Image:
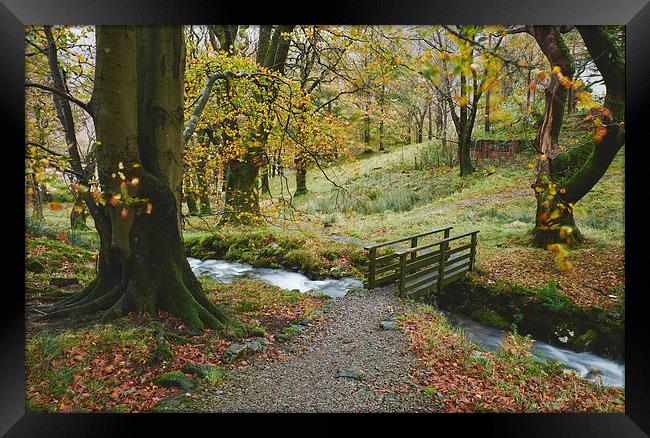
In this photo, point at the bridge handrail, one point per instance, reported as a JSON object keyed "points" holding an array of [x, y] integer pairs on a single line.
{"points": [[429, 245], [391, 242]]}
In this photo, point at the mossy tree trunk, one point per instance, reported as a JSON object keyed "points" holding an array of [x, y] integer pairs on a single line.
{"points": [[192, 206], [566, 178], [36, 197], [242, 182], [264, 175], [138, 105], [301, 176], [242, 190], [547, 230]]}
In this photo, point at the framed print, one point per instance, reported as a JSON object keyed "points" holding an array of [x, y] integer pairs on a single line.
{"points": [[412, 214]]}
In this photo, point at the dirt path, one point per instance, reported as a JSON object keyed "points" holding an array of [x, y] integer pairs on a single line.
{"points": [[349, 338]]}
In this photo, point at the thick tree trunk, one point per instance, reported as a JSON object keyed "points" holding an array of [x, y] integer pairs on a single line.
{"points": [[264, 177], [36, 198], [301, 176], [142, 263], [466, 167], [192, 206], [578, 169], [464, 135], [547, 230], [242, 191]]}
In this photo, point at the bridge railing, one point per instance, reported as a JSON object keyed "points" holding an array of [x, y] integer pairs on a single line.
{"points": [[384, 269], [422, 269]]}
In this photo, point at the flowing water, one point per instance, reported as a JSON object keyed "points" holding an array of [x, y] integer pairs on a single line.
{"points": [[221, 270], [587, 365]]}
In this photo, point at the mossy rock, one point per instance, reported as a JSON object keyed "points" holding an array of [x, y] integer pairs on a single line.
{"points": [[175, 379], [255, 330], [237, 352], [34, 266], [288, 333], [212, 373], [331, 254], [490, 317], [176, 403], [586, 340], [160, 353], [263, 262], [302, 259]]}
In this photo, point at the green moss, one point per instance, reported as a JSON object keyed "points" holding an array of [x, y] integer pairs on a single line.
{"points": [[302, 259], [176, 338], [288, 333], [160, 353], [586, 340], [277, 248], [212, 373], [174, 378], [490, 317]]}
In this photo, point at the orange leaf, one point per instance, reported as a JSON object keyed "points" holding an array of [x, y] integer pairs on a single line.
{"points": [[55, 206]]}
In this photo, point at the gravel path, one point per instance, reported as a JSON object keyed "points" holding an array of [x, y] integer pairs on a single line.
{"points": [[349, 338]]}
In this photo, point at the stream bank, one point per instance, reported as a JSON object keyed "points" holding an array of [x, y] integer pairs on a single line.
{"points": [[544, 313]]}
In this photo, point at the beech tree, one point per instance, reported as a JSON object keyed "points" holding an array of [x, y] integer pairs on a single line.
{"points": [[137, 103]]}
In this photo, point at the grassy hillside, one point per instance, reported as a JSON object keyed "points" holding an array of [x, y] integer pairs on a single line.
{"points": [[394, 193]]}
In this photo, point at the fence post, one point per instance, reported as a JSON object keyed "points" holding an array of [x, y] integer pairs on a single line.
{"points": [[414, 243], [472, 256], [372, 254], [441, 269], [402, 273], [446, 244]]}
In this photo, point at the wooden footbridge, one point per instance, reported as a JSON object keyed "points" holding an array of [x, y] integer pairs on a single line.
{"points": [[422, 269]]}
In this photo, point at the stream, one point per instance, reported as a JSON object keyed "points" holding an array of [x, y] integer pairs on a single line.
{"points": [[609, 372], [226, 272]]}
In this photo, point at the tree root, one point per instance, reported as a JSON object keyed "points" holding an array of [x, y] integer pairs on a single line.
{"points": [[189, 304]]}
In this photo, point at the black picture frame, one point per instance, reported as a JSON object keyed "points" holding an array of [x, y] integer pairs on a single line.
{"points": [[635, 14]]}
